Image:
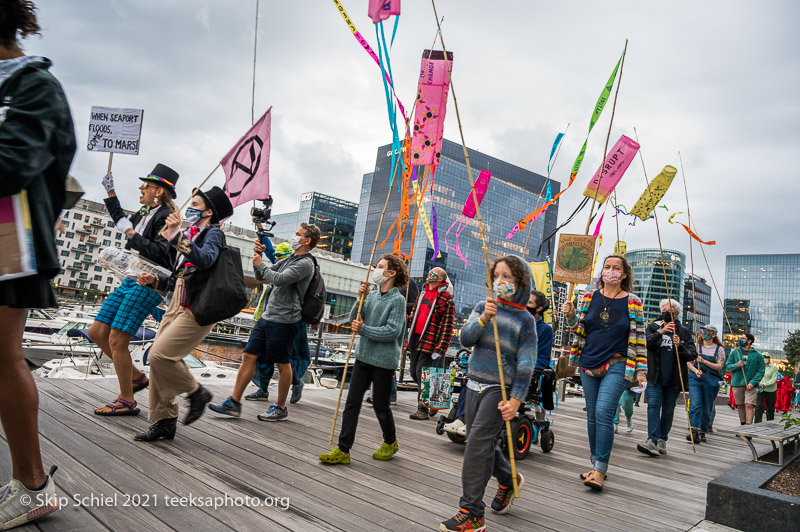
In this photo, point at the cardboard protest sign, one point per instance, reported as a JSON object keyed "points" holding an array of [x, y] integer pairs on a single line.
{"points": [[574, 259], [115, 130]]}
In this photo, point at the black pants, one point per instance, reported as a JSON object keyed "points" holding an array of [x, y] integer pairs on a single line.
{"points": [[381, 380], [421, 360], [770, 398]]}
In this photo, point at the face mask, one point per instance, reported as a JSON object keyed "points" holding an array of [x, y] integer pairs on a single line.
{"points": [[740, 343], [192, 216], [707, 336], [432, 278], [377, 276], [666, 316], [503, 288], [611, 276], [294, 242], [532, 311]]}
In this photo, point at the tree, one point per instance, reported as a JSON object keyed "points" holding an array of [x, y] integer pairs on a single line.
{"points": [[791, 346]]}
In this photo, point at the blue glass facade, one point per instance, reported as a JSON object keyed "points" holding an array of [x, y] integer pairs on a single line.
{"points": [[762, 297], [696, 303], [513, 192], [649, 270], [336, 219]]}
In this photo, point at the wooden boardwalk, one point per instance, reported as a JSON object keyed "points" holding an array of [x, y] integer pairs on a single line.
{"points": [[415, 491]]}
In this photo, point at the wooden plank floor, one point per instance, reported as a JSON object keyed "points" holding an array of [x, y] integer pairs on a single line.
{"points": [[415, 491]]}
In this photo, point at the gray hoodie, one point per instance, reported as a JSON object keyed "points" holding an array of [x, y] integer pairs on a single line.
{"points": [[290, 279]]}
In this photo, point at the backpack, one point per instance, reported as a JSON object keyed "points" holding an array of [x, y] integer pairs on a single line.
{"points": [[313, 302]]}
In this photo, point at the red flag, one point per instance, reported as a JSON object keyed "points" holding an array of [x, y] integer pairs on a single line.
{"points": [[246, 165]]}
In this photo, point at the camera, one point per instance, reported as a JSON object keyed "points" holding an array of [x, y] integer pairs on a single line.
{"points": [[262, 216]]}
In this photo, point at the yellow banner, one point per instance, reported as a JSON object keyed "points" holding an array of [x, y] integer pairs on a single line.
{"points": [[654, 192], [620, 248], [543, 281], [424, 216]]}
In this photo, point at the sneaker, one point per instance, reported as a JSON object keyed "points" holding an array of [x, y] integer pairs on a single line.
{"points": [[275, 413], [420, 414], [616, 428], [464, 521], [629, 426], [392, 399], [19, 505], [229, 407], [386, 451], [648, 446], [662, 447], [369, 399], [297, 392], [336, 456], [505, 496], [258, 395], [456, 427]]}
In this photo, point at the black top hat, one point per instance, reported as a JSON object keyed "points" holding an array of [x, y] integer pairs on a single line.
{"points": [[165, 176], [217, 201]]}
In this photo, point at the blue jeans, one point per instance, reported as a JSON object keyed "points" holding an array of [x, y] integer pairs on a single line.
{"points": [[702, 394], [602, 397], [660, 410], [626, 403]]}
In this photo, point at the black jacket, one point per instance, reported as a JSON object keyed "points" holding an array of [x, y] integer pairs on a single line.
{"points": [[686, 351], [37, 144], [148, 243]]}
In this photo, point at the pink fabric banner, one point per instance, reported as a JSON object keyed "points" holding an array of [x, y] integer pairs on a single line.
{"points": [[617, 161], [481, 186], [434, 83], [382, 9], [246, 165]]}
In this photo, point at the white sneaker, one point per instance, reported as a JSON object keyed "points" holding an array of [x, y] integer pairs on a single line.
{"points": [[19, 505], [661, 445], [629, 426], [456, 427], [616, 428]]}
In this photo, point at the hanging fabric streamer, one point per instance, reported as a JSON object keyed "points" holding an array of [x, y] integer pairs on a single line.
{"points": [[598, 110], [559, 137], [617, 161], [542, 277], [620, 247], [691, 233], [434, 222], [429, 113], [654, 192], [379, 10], [391, 107], [468, 212], [425, 222]]}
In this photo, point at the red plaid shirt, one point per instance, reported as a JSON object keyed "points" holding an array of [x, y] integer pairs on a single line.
{"points": [[437, 335]]}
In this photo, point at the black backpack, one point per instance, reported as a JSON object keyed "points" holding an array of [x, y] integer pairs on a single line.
{"points": [[313, 302]]}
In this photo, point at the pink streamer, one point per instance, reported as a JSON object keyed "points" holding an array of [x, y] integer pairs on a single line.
{"points": [[617, 161]]}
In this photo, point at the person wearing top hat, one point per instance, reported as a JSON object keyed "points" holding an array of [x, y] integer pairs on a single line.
{"points": [[127, 307], [198, 246]]}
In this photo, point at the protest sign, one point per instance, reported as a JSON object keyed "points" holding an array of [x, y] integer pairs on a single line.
{"points": [[115, 130]]}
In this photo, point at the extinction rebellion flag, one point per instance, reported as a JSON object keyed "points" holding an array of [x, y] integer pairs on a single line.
{"points": [[246, 165]]}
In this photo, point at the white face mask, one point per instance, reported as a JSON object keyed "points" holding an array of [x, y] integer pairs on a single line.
{"points": [[377, 276], [503, 288], [295, 242]]}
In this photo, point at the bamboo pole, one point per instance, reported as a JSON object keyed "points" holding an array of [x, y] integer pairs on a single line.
{"points": [[486, 259], [110, 160], [669, 296]]}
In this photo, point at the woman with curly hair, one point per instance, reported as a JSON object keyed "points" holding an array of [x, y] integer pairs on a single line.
{"points": [[609, 343], [382, 326], [37, 144]]}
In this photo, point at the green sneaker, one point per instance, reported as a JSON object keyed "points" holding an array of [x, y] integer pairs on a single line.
{"points": [[336, 456], [386, 451]]}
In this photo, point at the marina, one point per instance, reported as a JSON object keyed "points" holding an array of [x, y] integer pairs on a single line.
{"points": [[277, 463]]}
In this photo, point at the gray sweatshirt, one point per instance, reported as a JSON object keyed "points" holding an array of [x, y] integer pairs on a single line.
{"points": [[290, 279], [383, 330]]}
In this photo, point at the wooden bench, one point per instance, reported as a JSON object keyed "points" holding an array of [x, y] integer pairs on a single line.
{"points": [[772, 431]]}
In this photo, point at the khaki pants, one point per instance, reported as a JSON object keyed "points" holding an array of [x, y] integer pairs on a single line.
{"points": [[178, 334]]}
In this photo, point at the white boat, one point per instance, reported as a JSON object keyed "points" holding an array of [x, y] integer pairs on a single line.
{"points": [[40, 348], [42, 322]]}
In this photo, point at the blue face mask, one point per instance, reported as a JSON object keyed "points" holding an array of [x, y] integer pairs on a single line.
{"points": [[740, 343], [192, 215]]}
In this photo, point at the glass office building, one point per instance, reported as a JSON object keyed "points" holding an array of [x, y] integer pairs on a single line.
{"points": [[336, 219], [649, 271], [762, 297], [696, 293], [513, 192]]}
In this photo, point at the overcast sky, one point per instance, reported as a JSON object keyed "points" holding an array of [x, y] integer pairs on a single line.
{"points": [[714, 80]]}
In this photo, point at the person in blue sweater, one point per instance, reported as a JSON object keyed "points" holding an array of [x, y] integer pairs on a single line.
{"points": [[485, 409], [381, 325]]}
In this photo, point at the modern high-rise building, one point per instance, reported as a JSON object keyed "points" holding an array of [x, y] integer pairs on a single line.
{"points": [[656, 278], [513, 192], [336, 219], [762, 297], [696, 293]]}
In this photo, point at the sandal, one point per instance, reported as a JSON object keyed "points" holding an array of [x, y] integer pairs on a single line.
{"points": [[584, 476], [595, 480], [120, 407], [141, 383]]}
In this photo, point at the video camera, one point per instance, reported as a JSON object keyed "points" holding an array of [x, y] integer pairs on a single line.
{"points": [[262, 216]]}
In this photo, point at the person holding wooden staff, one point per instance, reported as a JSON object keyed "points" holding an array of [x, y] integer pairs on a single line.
{"points": [[704, 376], [382, 326], [746, 366], [609, 343], [485, 410], [129, 305]]}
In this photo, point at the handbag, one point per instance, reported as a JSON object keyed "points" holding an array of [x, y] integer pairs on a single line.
{"points": [[564, 369], [217, 293]]}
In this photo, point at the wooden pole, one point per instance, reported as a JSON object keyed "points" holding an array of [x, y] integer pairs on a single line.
{"points": [[110, 160], [484, 239], [253, 94]]}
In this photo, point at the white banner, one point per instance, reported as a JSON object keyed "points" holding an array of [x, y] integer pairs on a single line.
{"points": [[115, 130]]}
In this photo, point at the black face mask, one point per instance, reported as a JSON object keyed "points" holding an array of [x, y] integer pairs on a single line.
{"points": [[666, 316], [532, 311]]}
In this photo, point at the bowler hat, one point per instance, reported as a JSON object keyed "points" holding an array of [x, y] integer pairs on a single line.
{"points": [[165, 176], [217, 201]]}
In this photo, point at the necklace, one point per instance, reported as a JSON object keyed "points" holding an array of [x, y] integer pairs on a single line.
{"points": [[604, 315]]}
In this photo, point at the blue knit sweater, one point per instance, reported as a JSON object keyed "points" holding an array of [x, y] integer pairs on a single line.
{"points": [[384, 326], [516, 331]]}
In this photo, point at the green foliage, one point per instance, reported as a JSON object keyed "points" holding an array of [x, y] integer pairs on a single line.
{"points": [[791, 346], [788, 420]]}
